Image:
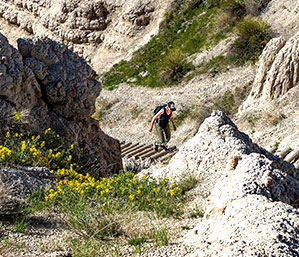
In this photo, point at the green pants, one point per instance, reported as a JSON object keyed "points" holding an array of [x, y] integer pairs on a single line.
{"points": [[163, 134]]}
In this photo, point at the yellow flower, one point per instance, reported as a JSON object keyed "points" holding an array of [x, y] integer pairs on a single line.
{"points": [[47, 130], [138, 192], [72, 146], [69, 158], [171, 191], [134, 180], [132, 197], [17, 115], [7, 134], [17, 134], [42, 144], [158, 200], [165, 179], [23, 146], [23, 160]]}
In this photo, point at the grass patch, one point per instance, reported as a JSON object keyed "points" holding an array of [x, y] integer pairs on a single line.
{"points": [[184, 113], [162, 62], [136, 241], [253, 35], [196, 213], [230, 101], [161, 236]]}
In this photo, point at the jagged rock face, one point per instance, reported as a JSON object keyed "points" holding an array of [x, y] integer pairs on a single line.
{"points": [[58, 90], [278, 71], [68, 83], [18, 85], [115, 26]]}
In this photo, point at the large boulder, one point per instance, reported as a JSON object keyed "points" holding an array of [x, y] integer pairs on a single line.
{"points": [[206, 153], [58, 90], [67, 81]]}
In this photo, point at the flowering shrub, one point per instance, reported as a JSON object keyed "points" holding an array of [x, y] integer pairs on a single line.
{"points": [[25, 149], [146, 194]]}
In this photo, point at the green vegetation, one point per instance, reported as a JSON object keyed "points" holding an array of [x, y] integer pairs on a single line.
{"points": [[253, 35], [184, 113], [197, 213], [230, 101], [189, 28]]}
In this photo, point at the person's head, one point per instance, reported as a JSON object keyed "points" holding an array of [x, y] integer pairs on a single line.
{"points": [[171, 106]]}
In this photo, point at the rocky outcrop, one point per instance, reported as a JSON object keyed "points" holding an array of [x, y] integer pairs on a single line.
{"points": [[16, 184], [58, 90], [252, 211], [278, 71], [252, 208], [112, 27], [67, 82]]}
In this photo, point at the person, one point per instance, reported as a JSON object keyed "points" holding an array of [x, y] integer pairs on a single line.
{"points": [[161, 121]]}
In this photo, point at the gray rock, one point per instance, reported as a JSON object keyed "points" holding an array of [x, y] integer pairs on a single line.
{"points": [[17, 183], [71, 89], [253, 206]]}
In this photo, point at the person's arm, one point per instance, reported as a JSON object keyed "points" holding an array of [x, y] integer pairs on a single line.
{"points": [[154, 119], [172, 121]]}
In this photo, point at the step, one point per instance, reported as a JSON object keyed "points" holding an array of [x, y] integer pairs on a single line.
{"points": [[134, 149], [292, 156], [284, 152], [139, 150]]}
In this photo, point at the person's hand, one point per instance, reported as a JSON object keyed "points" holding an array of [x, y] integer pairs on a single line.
{"points": [[174, 127], [150, 130]]}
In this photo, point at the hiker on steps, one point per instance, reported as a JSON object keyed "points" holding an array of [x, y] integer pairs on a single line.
{"points": [[163, 114]]}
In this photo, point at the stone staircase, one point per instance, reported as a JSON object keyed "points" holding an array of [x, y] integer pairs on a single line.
{"points": [[143, 152]]}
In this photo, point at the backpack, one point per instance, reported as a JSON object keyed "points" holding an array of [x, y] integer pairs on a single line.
{"points": [[158, 108]]}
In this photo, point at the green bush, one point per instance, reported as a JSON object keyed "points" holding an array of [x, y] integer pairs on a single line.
{"points": [[174, 67], [253, 35], [234, 8], [230, 101]]}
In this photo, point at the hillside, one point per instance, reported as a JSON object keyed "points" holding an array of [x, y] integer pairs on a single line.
{"points": [[267, 123]]}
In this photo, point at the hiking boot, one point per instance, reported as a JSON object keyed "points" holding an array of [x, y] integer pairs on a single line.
{"points": [[155, 147], [164, 147]]}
